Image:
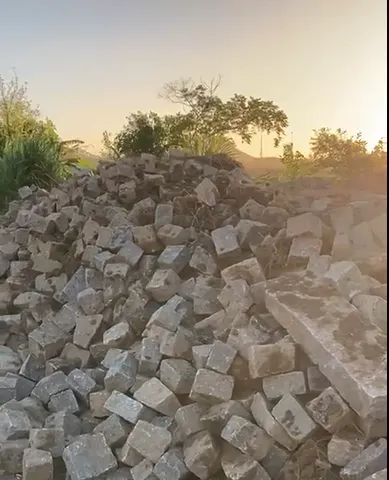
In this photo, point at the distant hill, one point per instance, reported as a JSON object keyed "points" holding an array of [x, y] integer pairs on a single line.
{"points": [[259, 166]]}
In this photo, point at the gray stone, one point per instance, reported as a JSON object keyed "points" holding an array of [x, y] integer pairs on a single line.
{"points": [[63, 401], [266, 360], [236, 296], [369, 461], [177, 374], [172, 235], [345, 445], [295, 420], [171, 466], [207, 193], [66, 317], [130, 253], [263, 417], [150, 356], [143, 471], [203, 262], [150, 441], [75, 285], [211, 387], [8, 388], [277, 386], [146, 238], [37, 465], [128, 455], [373, 309], [87, 329], [189, 417], [96, 403], [89, 457], [90, 301], [11, 456], [14, 424], [251, 210], [201, 455], [163, 215], [114, 429], [49, 386], [200, 355], [347, 278], [65, 421], [275, 461], [246, 437], [47, 340], [220, 357], [81, 384], [342, 218], [170, 315], [218, 415], [249, 231], [35, 411], [381, 475], [9, 361], [329, 410], [318, 264], [154, 394], [304, 224], [174, 257], [49, 439], [163, 285], [118, 335], [127, 408], [302, 249], [205, 295], [248, 270], [349, 353], [226, 242], [237, 466], [121, 375], [317, 382]]}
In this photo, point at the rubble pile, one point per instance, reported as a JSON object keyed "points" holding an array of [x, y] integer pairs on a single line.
{"points": [[169, 319]]}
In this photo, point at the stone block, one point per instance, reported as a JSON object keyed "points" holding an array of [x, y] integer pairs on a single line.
{"points": [[81, 384], [114, 429], [200, 354], [373, 308], [121, 375], [217, 417], [171, 466], [345, 445], [236, 296], [143, 471], [351, 354], [203, 262], [369, 461], [63, 401], [89, 457], [317, 382], [304, 224], [266, 360], [49, 386], [37, 465], [90, 301], [146, 238], [211, 387], [170, 315], [163, 285], [342, 218], [172, 235], [11, 456], [238, 466], [87, 329], [14, 423], [127, 408], [205, 295], [47, 340], [302, 249], [49, 439], [163, 215], [202, 455], [248, 231], [174, 257], [381, 475], [130, 253], [118, 335], [220, 357], [226, 242], [276, 386], [149, 441], [178, 375], [378, 226], [189, 417], [248, 270], [154, 394], [207, 193], [247, 437], [329, 410], [65, 421], [295, 420], [318, 264]]}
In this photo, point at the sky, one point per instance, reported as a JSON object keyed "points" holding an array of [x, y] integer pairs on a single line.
{"points": [[89, 63]]}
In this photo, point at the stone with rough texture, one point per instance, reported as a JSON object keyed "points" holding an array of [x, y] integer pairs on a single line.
{"points": [[371, 460], [345, 445], [265, 360], [127, 408], [226, 242], [277, 386], [201, 455], [163, 285], [171, 466], [237, 466], [211, 387], [89, 457], [373, 308], [304, 224], [351, 354], [150, 441], [154, 394], [37, 465]]}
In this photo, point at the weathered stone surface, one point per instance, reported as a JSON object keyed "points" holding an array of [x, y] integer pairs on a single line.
{"points": [[304, 224], [302, 249], [277, 386], [217, 417], [89, 457], [163, 285], [149, 441], [174, 257], [122, 373], [211, 387], [246, 437], [37, 465], [350, 353], [249, 270], [265, 360], [189, 419], [373, 309], [201, 455], [226, 242], [177, 374], [171, 466], [203, 262], [238, 466], [9, 360], [154, 394], [345, 445], [207, 193], [114, 429], [371, 460], [49, 439]]}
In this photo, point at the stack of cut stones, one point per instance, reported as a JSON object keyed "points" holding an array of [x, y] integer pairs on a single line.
{"points": [[169, 319]]}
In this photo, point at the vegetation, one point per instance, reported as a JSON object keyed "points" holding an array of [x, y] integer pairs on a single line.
{"points": [[31, 151], [335, 153], [204, 125]]}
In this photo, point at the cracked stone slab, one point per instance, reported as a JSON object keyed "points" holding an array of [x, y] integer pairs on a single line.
{"points": [[349, 352]]}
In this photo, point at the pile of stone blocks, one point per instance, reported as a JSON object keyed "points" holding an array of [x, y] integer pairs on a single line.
{"points": [[172, 320]]}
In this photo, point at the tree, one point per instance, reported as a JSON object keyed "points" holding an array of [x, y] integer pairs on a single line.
{"points": [[339, 153], [207, 114], [203, 127], [295, 163], [18, 118]]}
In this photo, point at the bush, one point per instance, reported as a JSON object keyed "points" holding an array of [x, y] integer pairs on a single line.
{"points": [[27, 161]]}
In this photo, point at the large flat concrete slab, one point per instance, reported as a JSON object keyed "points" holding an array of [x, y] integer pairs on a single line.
{"points": [[349, 351]]}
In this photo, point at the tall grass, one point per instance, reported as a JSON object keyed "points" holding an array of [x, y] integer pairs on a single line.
{"points": [[27, 161]]}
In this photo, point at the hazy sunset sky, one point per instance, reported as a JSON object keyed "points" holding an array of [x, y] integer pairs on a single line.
{"points": [[88, 63]]}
